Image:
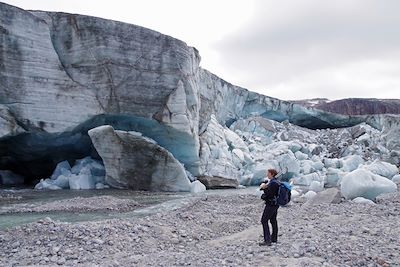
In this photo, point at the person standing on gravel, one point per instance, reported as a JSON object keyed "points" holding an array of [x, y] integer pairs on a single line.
{"points": [[271, 208]]}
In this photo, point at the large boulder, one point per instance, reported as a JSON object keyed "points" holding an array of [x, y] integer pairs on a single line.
{"points": [[363, 183], [216, 182], [331, 195], [134, 161]]}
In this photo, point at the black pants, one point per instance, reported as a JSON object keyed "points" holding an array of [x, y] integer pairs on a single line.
{"points": [[269, 214]]}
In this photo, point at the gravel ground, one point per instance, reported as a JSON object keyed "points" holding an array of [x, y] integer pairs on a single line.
{"points": [[215, 230], [77, 204]]}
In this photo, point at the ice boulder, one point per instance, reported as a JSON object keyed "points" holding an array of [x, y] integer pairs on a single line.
{"points": [[62, 168], [310, 194], [396, 179], [308, 148], [55, 183], [331, 163], [300, 155], [309, 166], [316, 186], [137, 162], [197, 187], [350, 163], [293, 146], [382, 168], [96, 167], [333, 177], [288, 165], [46, 184], [307, 179], [260, 171], [306, 167], [361, 200], [82, 181], [294, 193], [363, 183], [61, 181], [317, 164], [85, 174]]}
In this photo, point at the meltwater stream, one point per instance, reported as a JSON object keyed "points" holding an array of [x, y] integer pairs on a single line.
{"points": [[29, 196], [150, 203]]}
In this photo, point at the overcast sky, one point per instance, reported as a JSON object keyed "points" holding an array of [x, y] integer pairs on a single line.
{"points": [[286, 49]]}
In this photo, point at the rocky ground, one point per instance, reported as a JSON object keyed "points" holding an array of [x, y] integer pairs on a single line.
{"points": [[216, 230], [77, 204]]}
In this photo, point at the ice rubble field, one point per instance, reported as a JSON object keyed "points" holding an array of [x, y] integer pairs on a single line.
{"points": [[354, 159]]}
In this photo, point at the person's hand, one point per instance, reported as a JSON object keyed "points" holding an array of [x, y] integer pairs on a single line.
{"points": [[263, 186]]}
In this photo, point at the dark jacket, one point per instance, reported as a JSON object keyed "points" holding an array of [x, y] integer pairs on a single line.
{"points": [[271, 192]]}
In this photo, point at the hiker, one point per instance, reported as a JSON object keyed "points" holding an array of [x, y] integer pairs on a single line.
{"points": [[271, 208]]}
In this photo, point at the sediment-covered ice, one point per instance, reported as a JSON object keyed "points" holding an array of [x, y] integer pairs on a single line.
{"points": [[137, 162]]}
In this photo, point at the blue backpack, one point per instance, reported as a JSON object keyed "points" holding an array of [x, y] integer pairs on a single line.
{"points": [[284, 193]]}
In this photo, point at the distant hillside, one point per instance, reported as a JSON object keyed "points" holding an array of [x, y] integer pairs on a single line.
{"points": [[354, 106]]}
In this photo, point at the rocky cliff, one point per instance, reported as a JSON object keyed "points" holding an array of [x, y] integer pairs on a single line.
{"points": [[355, 106]]}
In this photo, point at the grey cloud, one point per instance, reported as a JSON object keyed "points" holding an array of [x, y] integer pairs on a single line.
{"points": [[287, 40]]}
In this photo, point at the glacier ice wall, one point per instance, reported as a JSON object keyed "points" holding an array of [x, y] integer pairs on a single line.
{"points": [[64, 74]]}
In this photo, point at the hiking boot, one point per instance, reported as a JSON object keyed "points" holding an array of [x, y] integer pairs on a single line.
{"points": [[274, 241], [265, 243]]}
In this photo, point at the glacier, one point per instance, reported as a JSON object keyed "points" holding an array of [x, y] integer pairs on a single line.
{"points": [[63, 75]]}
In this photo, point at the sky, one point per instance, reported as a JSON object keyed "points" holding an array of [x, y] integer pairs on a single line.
{"points": [[288, 49]]}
